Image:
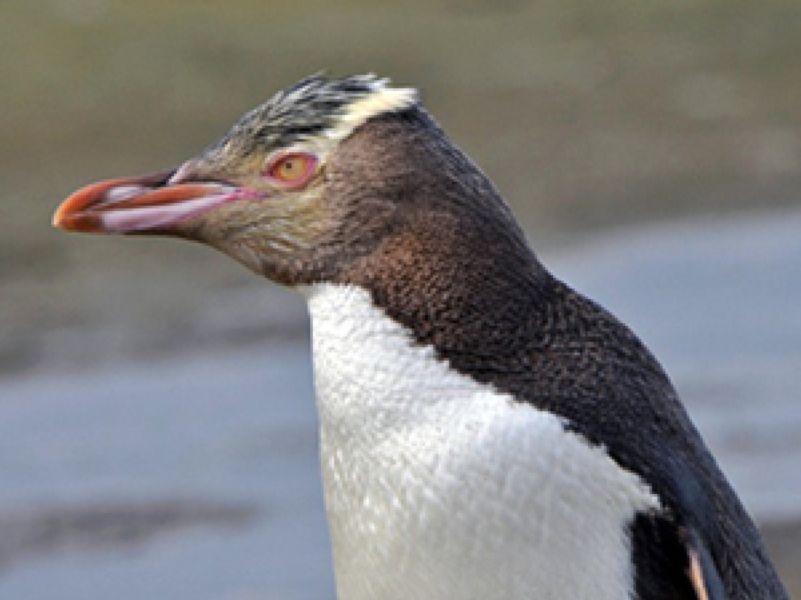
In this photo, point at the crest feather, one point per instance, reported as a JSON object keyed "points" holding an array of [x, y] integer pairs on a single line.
{"points": [[317, 107]]}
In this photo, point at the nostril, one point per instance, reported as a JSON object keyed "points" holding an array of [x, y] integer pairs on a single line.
{"points": [[182, 174], [190, 173]]}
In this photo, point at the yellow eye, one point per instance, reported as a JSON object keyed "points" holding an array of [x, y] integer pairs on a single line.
{"points": [[293, 169]]}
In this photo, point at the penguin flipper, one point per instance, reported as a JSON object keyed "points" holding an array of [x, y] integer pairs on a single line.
{"points": [[701, 569]]}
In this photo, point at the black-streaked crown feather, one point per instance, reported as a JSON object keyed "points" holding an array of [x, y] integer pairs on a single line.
{"points": [[304, 110]]}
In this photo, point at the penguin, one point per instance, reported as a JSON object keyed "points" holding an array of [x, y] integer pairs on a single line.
{"points": [[486, 432]]}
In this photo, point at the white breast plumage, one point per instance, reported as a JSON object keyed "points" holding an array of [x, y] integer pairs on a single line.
{"points": [[439, 487]]}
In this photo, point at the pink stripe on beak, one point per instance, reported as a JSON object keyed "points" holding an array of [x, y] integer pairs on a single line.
{"points": [[139, 203]]}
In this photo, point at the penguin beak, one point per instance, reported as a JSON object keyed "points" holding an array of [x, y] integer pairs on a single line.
{"points": [[152, 203]]}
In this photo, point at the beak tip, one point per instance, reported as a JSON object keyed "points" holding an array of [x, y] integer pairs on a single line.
{"points": [[57, 220], [138, 204], [73, 221], [63, 218]]}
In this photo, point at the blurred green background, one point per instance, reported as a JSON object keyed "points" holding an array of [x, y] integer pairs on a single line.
{"points": [[587, 115]]}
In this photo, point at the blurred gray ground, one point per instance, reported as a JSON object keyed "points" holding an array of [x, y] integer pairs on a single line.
{"points": [[588, 116], [197, 476]]}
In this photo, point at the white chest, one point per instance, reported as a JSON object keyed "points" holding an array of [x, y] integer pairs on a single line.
{"points": [[438, 487]]}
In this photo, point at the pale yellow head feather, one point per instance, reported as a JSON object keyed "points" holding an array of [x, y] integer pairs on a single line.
{"points": [[383, 99]]}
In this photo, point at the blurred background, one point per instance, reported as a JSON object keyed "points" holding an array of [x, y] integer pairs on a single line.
{"points": [[157, 429]]}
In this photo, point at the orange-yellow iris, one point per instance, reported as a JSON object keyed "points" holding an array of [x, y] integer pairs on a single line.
{"points": [[291, 168]]}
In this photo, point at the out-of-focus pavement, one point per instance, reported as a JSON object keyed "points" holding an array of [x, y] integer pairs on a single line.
{"points": [[198, 477]]}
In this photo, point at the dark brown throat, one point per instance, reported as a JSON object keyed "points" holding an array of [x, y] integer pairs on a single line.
{"points": [[427, 234]]}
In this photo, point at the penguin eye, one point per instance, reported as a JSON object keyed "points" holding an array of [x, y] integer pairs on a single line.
{"points": [[291, 170]]}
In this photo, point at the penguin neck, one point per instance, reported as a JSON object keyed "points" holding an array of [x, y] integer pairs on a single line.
{"points": [[369, 369], [464, 284], [415, 456]]}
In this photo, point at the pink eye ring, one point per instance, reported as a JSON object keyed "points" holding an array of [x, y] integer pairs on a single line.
{"points": [[292, 170]]}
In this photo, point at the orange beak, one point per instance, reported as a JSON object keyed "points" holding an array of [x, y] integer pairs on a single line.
{"points": [[150, 203]]}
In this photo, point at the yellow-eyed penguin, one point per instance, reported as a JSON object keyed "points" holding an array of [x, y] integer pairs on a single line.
{"points": [[486, 432]]}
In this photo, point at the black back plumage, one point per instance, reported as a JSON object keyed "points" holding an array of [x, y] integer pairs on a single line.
{"points": [[452, 265]]}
